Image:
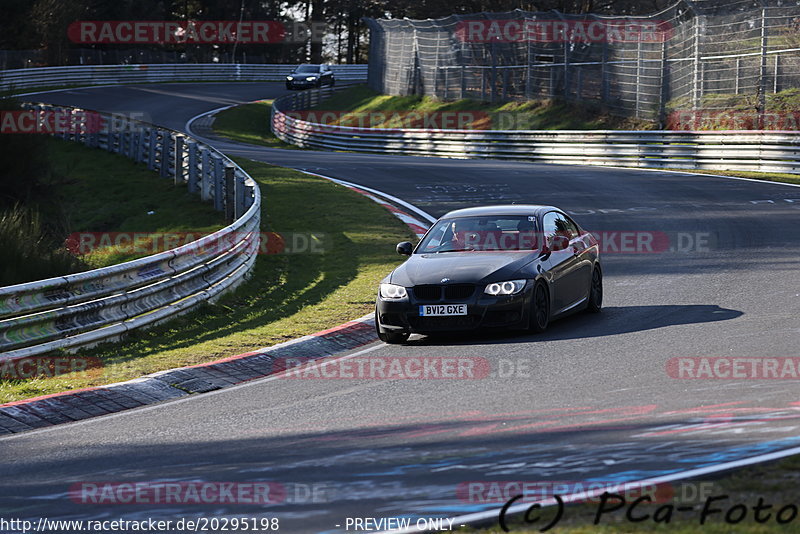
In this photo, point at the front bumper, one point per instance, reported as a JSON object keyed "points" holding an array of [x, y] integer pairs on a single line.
{"points": [[483, 311], [301, 84]]}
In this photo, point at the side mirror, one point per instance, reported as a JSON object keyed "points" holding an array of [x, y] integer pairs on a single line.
{"points": [[560, 242], [405, 248]]}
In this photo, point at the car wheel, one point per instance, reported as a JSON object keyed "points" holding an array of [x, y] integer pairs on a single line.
{"points": [[540, 308], [393, 338], [596, 292]]}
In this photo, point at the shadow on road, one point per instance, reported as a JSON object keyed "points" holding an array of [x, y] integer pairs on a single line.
{"points": [[611, 321]]}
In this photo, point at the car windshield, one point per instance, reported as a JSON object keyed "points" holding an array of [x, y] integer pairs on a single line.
{"points": [[492, 233], [307, 69]]}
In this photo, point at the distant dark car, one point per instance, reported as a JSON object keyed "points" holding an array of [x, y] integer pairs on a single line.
{"points": [[308, 75], [510, 267]]}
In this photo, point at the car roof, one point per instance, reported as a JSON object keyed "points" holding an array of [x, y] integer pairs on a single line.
{"points": [[508, 209]]}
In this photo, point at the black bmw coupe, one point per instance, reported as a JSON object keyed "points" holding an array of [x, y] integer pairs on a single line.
{"points": [[513, 267]]}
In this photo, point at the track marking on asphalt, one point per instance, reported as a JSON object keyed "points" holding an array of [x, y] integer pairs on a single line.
{"points": [[583, 495], [156, 406]]}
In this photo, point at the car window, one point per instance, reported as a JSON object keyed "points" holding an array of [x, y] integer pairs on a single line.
{"points": [[307, 69], [486, 233], [555, 223], [568, 226]]}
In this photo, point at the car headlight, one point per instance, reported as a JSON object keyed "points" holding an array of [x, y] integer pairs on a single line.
{"points": [[509, 287], [392, 291], [311, 78], [290, 78]]}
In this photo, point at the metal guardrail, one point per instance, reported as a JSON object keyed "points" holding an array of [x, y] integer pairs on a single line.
{"points": [[183, 72], [98, 305], [765, 151]]}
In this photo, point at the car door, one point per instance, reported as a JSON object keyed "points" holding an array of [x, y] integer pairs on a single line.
{"points": [[563, 264], [582, 274]]}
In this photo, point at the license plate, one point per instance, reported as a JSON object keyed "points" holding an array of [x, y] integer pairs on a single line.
{"points": [[432, 310]]}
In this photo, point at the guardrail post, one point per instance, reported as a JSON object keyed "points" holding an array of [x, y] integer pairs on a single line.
{"points": [[217, 182], [166, 149], [179, 174], [192, 174], [229, 195], [206, 173], [140, 145], [151, 149], [116, 141], [240, 193]]}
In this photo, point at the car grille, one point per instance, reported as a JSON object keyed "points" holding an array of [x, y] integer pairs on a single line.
{"points": [[458, 291], [435, 293], [428, 293]]}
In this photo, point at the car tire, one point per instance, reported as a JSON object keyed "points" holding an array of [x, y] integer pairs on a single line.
{"points": [[540, 308], [595, 292], [393, 338]]}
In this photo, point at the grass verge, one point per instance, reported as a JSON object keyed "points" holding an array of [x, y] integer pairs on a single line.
{"points": [[289, 295], [523, 115], [131, 199], [249, 123], [776, 483]]}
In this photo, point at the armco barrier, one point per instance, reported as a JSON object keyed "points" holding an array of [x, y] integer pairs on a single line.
{"points": [[765, 151], [179, 72], [93, 306]]}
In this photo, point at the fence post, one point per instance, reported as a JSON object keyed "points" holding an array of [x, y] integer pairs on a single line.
{"points": [[775, 75], [528, 66], [696, 71], [604, 84], [493, 72], [240, 192], [639, 87], [762, 73], [192, 174], [566, 68], [228, 196], [664, 86]]}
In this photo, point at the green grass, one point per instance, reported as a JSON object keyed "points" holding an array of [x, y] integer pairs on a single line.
{"points": [[104, 192], [93, 191], [249, 123], [288, 295], [29, 250], [776, 482], [523, 115]]}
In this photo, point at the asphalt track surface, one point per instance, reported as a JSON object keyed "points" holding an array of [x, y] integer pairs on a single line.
{"points": [[590, 399]]}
